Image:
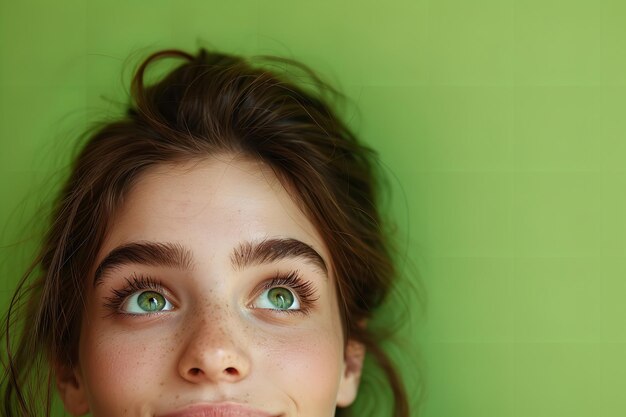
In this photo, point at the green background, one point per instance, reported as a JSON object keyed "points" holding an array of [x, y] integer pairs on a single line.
{"points": [[502, 127]]}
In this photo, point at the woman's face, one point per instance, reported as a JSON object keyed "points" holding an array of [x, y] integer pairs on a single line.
{"points": [[212, 296]]}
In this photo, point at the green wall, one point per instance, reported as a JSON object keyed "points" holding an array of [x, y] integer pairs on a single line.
{"points": [[501, 124]]}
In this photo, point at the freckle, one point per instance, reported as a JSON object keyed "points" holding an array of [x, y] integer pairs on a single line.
{"points": [[177, 396]]}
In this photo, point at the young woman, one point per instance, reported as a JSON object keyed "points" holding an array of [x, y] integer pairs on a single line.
{"points": [[216, 252]]}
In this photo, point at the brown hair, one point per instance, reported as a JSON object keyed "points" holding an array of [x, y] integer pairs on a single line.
{"points": [[212, 103]]}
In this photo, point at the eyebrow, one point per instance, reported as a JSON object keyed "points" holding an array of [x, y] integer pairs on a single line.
{"points": [[174, 255], [271, 250], [171, 255]]}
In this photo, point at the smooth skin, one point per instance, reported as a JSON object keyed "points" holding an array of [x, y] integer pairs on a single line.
{"points": [[219, 339]]}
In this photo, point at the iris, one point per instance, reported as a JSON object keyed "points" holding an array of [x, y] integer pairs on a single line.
{"points": [[151, 301], [281, 297]]}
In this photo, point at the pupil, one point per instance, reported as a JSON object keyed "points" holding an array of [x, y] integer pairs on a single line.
{"points": [[281, 300]]}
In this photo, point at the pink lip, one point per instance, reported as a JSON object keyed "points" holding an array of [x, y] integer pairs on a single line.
{"points": [[218, 410]]}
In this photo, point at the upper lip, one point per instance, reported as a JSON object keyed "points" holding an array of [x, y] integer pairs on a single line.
{"points": [[226, 409]]}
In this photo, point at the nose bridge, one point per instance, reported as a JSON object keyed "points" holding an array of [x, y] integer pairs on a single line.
{"points": [[214, 348], [208, 313]]}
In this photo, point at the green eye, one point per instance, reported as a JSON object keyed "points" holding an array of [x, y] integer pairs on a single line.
{"points": [[280, 298], [147, 302], [151, 301]]}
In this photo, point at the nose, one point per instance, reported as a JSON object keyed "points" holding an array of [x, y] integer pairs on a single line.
{"points": [[214, 352]]}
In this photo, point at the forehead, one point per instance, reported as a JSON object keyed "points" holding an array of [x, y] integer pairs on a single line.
{"points": [[212, 205]]}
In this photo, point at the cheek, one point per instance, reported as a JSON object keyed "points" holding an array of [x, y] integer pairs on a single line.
{"points": [[122, 368], [308, 368]]}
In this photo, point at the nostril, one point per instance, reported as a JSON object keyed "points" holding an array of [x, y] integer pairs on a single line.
{"points": [[194, 371], [231, 371]]}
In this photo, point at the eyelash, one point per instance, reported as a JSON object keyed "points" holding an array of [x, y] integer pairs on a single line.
{"points": [[302, 289], [133, 284]]}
